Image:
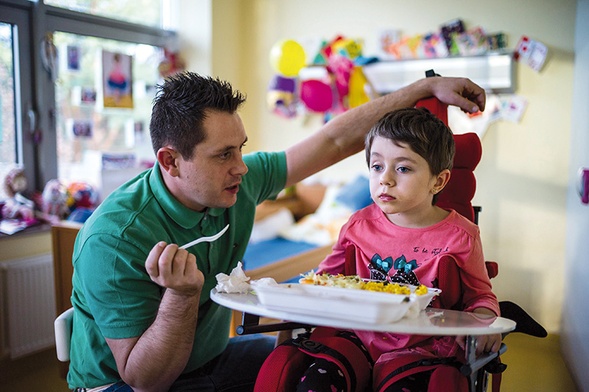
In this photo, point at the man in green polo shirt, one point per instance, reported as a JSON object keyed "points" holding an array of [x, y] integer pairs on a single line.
{"points": [[143, 318]]}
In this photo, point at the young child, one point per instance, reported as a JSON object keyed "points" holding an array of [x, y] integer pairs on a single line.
{"points": [[403, 236]]}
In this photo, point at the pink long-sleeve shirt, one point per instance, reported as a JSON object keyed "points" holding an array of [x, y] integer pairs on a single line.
{"points": [[375, 237]]}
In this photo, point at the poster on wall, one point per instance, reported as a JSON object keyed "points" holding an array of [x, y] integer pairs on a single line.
{"points": [[79, 129], [73, 58], [117, 80]]}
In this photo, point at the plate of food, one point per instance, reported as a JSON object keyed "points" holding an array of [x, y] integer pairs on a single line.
{"points": [[347, 297]]}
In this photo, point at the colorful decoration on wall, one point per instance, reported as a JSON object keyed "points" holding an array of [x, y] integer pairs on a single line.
{"points": [[334, 83], [451, 39], [281, 96], [316, 95], [287, 57]]}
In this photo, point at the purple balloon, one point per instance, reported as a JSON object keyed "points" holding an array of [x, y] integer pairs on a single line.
{"points": [[280, 83]]}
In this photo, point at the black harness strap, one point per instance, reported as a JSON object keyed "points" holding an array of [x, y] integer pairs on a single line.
{"points": [[450, 361]]}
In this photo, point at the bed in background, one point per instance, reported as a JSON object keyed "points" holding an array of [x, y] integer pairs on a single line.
{"points": [[294, 233]]}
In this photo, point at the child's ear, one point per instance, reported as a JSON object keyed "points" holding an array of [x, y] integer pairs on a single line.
{"points": [[441, 180]]}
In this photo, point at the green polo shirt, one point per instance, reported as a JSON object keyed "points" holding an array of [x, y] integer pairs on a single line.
{"points": [[113, 295]]}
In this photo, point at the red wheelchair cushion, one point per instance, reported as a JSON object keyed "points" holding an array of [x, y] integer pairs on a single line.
{"points": [[460, 190], [282, 370]]}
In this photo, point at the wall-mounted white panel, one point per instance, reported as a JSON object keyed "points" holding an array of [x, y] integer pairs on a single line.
{"points": [[494, 72]]}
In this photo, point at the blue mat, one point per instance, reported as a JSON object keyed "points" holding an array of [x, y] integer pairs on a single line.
{"points": [[266, 252]]}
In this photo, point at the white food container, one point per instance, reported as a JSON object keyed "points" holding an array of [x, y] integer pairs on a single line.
{"points": [[342, 303]]}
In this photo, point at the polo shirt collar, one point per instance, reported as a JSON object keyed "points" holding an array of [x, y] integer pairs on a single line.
{"points": [[182, 215]]}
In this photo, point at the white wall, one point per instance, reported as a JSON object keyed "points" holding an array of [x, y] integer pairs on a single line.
{"points": [[575, 326], [193, 20]]}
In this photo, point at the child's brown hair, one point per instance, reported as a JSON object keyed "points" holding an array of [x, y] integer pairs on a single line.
{"points": [[423, 132]]}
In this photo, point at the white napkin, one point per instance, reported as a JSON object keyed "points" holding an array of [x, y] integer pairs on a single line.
{"points": [[236, 282]]}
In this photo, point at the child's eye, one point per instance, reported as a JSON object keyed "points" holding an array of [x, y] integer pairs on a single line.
{"points": [[376, 167], [403, 169]]}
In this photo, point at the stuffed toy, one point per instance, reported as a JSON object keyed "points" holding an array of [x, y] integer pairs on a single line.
{"points": [[17, 206], [54, 200]]}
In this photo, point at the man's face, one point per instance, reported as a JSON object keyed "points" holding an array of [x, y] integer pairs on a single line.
{"points": [[211, 178]]}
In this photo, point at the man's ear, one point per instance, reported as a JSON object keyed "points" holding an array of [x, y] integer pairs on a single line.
{"points": [[167, 157]]}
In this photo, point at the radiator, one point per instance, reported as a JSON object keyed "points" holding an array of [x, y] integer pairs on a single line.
{"points": [[27, 293]]}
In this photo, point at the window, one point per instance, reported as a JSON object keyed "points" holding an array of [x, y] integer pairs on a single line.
{"points": [[101, 132], [44, 99], [147, 12], [16, 142], [7, 103]]}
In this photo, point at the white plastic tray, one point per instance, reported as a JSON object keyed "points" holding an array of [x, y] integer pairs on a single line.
{"points": [[342, 303]]}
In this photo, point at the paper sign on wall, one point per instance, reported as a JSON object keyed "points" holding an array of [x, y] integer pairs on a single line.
{"points": [[531, 52]]}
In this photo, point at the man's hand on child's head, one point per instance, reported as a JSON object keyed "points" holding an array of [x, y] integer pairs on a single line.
{"points": [[460, 92]]}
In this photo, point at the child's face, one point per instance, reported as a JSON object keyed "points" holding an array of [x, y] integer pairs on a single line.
{"points": [[401, 183]]}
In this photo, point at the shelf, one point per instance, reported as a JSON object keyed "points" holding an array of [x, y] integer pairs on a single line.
{"points": [[494, 72]]}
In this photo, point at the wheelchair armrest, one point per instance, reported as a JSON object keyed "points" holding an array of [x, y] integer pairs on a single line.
{"points": [[469, 368]]}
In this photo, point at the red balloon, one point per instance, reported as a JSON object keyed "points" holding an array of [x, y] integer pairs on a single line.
{"points": [[316, 95]]}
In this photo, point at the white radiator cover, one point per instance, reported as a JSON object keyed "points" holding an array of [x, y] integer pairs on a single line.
{"points": [[27, 295]]}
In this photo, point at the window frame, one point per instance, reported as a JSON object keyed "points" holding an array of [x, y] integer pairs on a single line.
{"points": [[37, 89], [18, 14]]}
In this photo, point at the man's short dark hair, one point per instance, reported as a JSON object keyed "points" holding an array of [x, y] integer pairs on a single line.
{"points": [[182, 103]]}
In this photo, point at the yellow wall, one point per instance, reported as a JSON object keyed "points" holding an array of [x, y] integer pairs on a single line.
{"points": [[25, 245], [522, 178]]}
